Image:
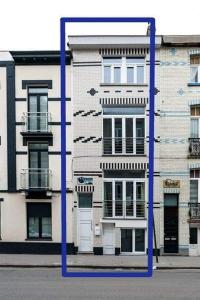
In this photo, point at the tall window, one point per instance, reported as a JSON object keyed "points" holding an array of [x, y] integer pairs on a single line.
{"points": [[123, 130], [39, 221], [124, 197], [195, 121], [195, 68], [38, 109], [195, 186], [129, 70]]}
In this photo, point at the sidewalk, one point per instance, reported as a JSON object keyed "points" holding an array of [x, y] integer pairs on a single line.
{"points": [[91, 261]]}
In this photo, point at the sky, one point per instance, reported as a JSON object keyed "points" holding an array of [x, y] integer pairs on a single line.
{"points": [[35, 25]]}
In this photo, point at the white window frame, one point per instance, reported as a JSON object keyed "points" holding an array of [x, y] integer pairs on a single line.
{"points": [[198, 73], [198, 180], [195, 118], [124, 180], [124, 65], [124, 117], [133, 242]]}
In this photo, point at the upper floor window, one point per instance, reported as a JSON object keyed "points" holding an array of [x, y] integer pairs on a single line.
{"points": [[195, 68], [124, 70], [194, 186], [195, 121]]}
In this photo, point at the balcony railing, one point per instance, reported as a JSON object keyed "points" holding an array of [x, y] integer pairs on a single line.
{"points": [[124, 146], [36, 179], [124, 209], [36, 122], [194, 211], [194, 147]]}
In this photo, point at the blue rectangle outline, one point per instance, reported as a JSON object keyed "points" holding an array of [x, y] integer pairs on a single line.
{"points": [[151, 22]]}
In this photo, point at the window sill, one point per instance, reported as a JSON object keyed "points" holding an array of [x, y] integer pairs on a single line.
{"points": [[194, 84], [124, 84]]}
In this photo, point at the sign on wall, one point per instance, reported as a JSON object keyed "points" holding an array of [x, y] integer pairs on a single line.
{"points": [[169, 183]]}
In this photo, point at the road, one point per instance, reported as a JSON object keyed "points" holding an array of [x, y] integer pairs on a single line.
{"points": [[47, 284]]}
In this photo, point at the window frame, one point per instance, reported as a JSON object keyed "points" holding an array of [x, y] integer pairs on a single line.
{"points": [[198, 73], [124, 214], [133, 241], [124, 65]]}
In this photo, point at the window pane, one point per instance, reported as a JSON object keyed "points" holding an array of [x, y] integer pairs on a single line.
{"points": [[46, 227], [139, 240], [107, 136], [33, 227], [130, 75], [129, 199], [194, 74], [129, 135], [125, 110], [108, 210], [140, 74], [118, 135], [107, 74], [193, 236], [195, 59], [194, 128], [139, 136], [85, 200], [193, 190], [108, 60], [140, 198], [118, 199], [135, 60], [117, 75], [38, 90], [126, 240]]}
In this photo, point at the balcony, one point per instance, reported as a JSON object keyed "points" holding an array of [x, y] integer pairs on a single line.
{"points": [[36, 126], [194, 147], [122, 209], [124, 146], [194, 212], [36, 183]]}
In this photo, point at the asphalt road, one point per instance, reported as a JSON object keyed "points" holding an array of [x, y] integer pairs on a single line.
{"points": [[47, 284]]}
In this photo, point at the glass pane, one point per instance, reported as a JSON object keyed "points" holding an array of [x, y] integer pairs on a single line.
{"points": [[135, 60], [118, 135], [117, 75], [130, 75], [193, 235], [107, 136], [118, 199], [129, 199], [108, 60], [42, 115], [46, 227], [140, 199], [194, 128], [107, 74], [139, 136], [193, 190], [194, 74], [139, 240], [129, 135], [140, 74], [33, 227], [126, 240], [38, 90], [108, 208], [125, 110], [85, 200], [32, 115]]}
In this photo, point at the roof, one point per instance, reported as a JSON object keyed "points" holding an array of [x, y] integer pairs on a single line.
{"points": [[181, 40]]}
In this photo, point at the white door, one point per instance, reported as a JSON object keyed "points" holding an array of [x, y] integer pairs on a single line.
{"points": [[85, 243], [108, 239]]}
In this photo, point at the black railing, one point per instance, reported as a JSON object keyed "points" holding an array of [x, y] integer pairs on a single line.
{"points": [[194, 211], [194, 147], [126, 146]]}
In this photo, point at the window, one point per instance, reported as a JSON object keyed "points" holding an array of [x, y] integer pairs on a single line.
{"points": [[85, 200], [133, 240], [193, 235], [129, 70], [195, 186], [195, 68], [37, 109], [124, 198], [195, 121], [123, 134], [39, 221]]}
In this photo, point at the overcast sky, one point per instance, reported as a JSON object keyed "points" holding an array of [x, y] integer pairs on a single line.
{"points": [[34, 25]]}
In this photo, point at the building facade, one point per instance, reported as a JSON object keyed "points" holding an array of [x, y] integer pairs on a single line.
{"points": [[107, 150]]}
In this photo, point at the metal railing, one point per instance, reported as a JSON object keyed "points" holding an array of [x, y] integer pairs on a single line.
{"points": [[36, 122], [194, 147], [194, 211], [125, 146], [124, 209], [36, 179]]}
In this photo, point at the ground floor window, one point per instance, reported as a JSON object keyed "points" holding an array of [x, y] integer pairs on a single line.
{"points": [[39, 221], [133, 240], [193, 235]]}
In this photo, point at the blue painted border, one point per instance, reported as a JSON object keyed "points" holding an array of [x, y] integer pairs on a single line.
{"points": [[149, 272]]}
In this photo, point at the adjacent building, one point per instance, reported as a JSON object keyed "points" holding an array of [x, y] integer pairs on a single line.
{"points": [[107, 151]]}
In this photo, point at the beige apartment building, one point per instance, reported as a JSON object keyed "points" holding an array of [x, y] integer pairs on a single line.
{"points": [[107, 151]]}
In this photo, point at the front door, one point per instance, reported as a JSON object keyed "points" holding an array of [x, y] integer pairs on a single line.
{"points": [[108, 239], [171, 223], [85, 223]]}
